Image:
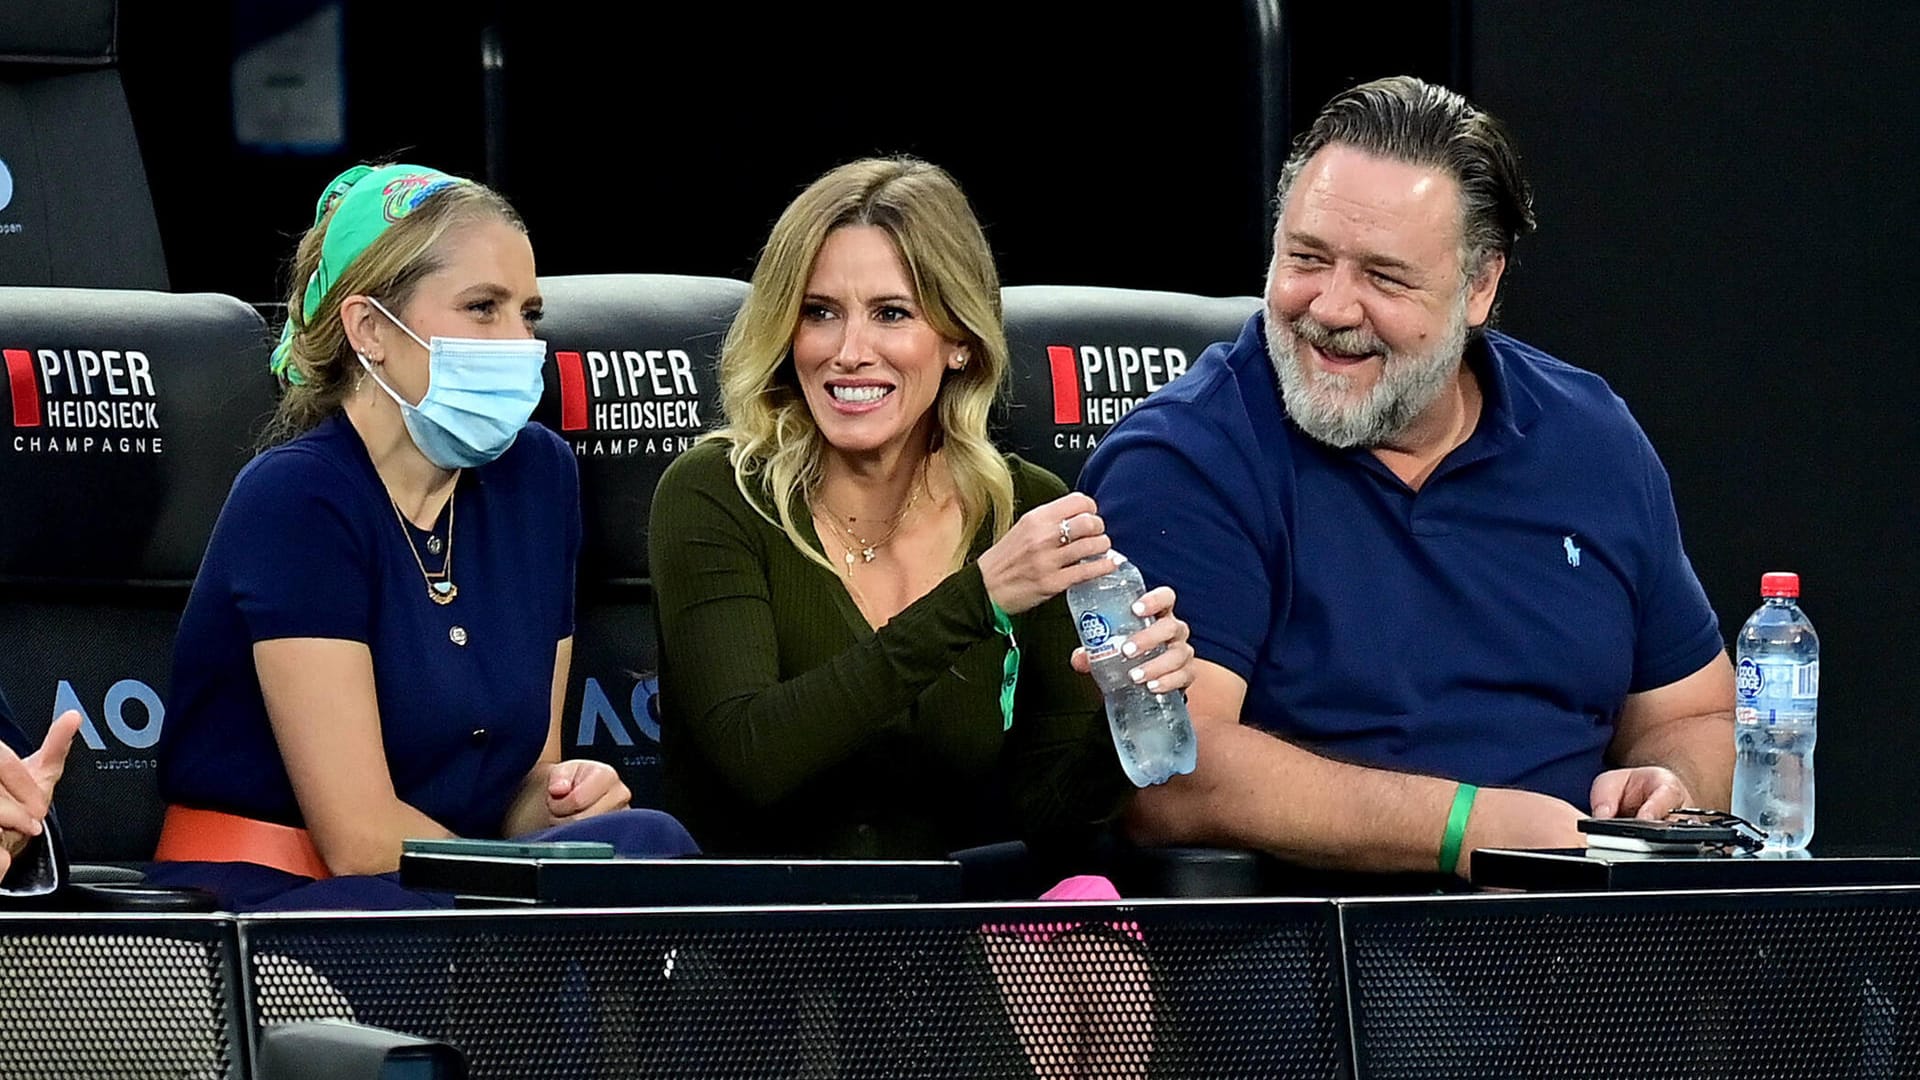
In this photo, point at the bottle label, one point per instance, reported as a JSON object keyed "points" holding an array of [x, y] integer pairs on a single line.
{"points": [[1097, 636], [1767, 686]]}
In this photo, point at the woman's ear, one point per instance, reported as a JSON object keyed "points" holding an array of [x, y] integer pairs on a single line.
{"points": [[362, 326], [959, 358]]}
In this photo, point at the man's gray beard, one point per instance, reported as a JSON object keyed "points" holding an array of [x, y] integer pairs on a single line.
{"points": [[1318, 400]]}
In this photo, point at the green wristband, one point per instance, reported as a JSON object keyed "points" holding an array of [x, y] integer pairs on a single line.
{"points": [[1010, 671], [1456, 827]]}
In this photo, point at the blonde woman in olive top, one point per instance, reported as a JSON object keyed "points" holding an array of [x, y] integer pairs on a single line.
{"points": [[843, 573]]}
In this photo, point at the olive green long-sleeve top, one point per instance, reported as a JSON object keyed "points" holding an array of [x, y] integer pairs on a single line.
{"points": [[790, 726]]}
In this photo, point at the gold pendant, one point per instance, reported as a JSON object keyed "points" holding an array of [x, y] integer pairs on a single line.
{"points": [[849, 560], [866, 554], [443, 592]]}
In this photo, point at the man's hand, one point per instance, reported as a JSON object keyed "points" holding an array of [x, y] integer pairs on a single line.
{"points": [[1511, 818], [1648, 792], [26, 787], [582, 789]]}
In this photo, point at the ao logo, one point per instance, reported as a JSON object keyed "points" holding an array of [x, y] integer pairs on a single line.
{"points": [[597, 711], [114, 711], [6, 186]]}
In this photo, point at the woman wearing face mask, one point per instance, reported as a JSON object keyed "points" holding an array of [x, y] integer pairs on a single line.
{"points": [[377, 643]]}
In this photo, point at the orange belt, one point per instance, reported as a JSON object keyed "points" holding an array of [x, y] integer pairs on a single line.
{"points": [[191, 835]]}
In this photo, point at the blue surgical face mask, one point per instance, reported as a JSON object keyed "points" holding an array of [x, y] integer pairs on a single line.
{"points": [[480, 393]]}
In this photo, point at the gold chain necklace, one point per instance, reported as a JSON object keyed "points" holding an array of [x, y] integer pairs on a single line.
{"points": [[440, 587], [869, 550]]}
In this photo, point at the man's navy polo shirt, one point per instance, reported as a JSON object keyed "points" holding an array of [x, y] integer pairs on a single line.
{"points": [[1487, 628]]}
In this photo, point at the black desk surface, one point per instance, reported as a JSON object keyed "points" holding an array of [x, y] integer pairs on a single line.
{"points": [[493, 880], [1578, 870]]}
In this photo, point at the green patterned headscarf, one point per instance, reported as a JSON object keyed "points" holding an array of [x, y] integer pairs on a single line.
{"points": [[364, 200]]}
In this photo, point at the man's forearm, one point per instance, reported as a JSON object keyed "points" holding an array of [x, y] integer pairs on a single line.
{"points": [[1697, 749], [1251, 790]]}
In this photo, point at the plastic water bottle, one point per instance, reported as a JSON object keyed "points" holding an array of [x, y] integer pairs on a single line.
{"points": [[1151, 732], [1777, 680]]}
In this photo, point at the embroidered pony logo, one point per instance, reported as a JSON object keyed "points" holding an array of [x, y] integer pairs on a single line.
{"points": [[1573, 550]]}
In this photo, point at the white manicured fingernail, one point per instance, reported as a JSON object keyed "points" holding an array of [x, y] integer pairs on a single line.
{"points": [[1137, 674], [1129, 648], [1153, 685], [1139, 608]]}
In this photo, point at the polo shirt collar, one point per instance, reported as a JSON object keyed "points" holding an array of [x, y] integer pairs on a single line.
{"points": [[1508, 407]]}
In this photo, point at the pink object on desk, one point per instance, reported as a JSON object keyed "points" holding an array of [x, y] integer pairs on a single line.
{"points": [[1091, 888]]}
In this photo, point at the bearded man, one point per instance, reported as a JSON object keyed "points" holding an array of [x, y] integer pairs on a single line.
{"points": [[1434, 575]]}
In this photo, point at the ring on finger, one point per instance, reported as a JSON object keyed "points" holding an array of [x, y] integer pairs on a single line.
{"points": [[1066, 531]]}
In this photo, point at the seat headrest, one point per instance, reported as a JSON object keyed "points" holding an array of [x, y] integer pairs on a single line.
{"points": [[126, 416], [630, 385], [64, 33], [1084, 356]]}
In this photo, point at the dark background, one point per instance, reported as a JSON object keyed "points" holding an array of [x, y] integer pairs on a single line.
{"points": [[1726, 198]]}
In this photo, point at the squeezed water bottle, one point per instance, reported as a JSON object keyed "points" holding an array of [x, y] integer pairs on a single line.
{"points": [[1151, 732], [1777, 685]]}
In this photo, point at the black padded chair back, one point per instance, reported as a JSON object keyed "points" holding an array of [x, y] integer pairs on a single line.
{"points": [[631, 384], [1084, 356], [125, 417], [74, 204]]}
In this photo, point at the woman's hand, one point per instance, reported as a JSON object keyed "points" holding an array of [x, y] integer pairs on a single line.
{"points": [[26, 787], [1039, 558], [1172, 669], [580, 789]]}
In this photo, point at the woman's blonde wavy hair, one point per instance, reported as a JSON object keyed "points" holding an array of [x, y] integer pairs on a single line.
{"points": [[774, 444], [321, 367]]}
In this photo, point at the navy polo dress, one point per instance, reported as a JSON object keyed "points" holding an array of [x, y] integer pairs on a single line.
{"points": [[309, 545]]}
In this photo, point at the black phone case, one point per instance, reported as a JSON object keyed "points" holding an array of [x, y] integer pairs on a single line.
{"points": [[1659, 832]]}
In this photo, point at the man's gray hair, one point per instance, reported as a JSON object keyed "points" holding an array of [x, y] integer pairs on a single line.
{"points": [[1408, 120]]}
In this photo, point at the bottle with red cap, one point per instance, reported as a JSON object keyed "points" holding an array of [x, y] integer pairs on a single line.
{"points": [[1777, 688]]}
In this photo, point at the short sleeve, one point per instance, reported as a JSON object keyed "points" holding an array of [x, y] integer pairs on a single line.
{"points": [[1677, 632], [289, 549], [569, 487], [1182, 500]]}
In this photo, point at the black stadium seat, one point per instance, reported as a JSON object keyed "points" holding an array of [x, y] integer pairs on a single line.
{"points": [[1084, 356], [74, 205], [126, 416], [630, 385]]}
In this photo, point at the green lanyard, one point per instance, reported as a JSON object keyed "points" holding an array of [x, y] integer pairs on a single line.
{"points": [[1010, 673]]}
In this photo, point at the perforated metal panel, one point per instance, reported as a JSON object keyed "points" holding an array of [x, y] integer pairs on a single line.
{"points": [[87, 998], [1746, 985], [1242, 990]]}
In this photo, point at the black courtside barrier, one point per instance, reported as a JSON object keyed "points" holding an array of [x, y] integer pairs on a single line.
{"points": [[106, 998], [1786, 984], [1215, 989]]}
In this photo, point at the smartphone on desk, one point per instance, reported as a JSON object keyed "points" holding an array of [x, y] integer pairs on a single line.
{"points": [[510, 849], [1636, 834]]}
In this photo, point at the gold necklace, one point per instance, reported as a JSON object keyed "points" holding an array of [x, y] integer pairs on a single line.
{"points": [[869, 550], [440, 587]]}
